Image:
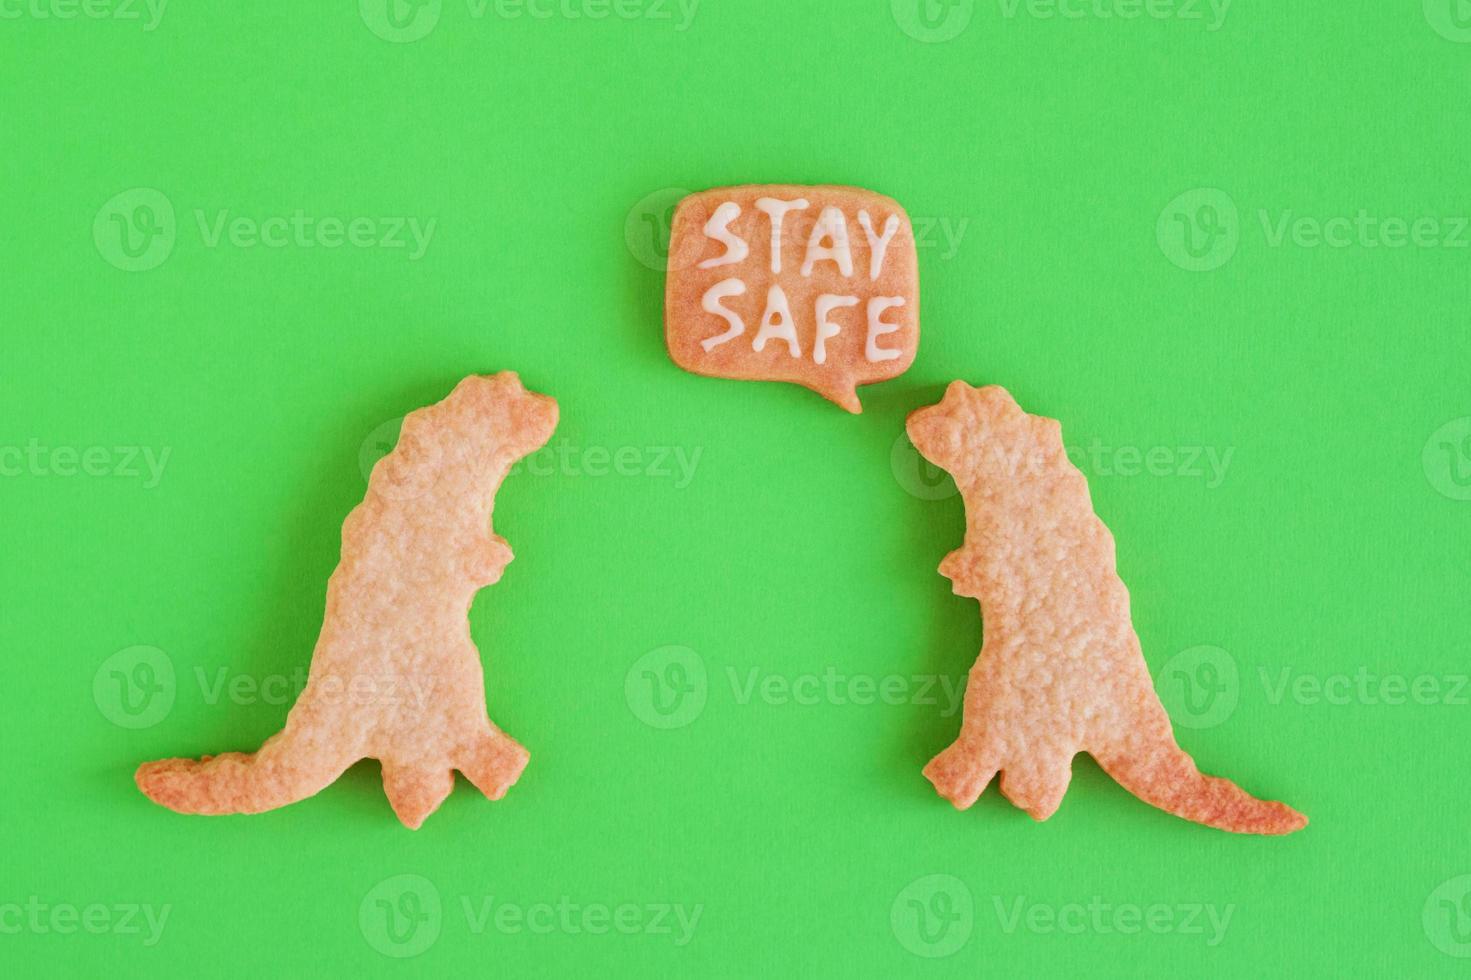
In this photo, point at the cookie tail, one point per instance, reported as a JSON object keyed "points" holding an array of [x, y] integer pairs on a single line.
{"points": [[287, 768], [1162, 774]]}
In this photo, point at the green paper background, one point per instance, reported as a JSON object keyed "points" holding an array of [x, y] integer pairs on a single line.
{"points": [[1051, 164]]}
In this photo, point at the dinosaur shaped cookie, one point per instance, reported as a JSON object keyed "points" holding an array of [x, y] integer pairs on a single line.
{"points": [[1060, 670], [395, 675]]}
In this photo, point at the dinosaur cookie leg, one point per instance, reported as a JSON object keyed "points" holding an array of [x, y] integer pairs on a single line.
{"points": [[1035, 780], [492, 762], [416, 787], [962, 772]]}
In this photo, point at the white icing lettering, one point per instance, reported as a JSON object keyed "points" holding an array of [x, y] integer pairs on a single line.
{"points": [[711, 303], [877, 307], [826, 303], [778, 213], [777, 322], [718, 228]]}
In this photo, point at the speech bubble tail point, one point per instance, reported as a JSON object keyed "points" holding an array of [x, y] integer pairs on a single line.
{"points": [[846, 399]]}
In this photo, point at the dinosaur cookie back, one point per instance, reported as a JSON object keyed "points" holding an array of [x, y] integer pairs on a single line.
{"points": [[1060, 670], [395, 675]]}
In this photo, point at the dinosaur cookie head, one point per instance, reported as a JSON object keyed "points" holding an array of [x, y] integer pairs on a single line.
{"points": [[485, 425], [496, 414], [486, 416], [982, 434]]}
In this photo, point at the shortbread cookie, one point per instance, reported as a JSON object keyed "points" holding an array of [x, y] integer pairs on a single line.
{"points": [[818, 286], [395, 675], [1060, 670]]}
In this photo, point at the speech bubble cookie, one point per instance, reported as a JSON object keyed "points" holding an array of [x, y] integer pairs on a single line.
{"points": [[818, 286]]}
